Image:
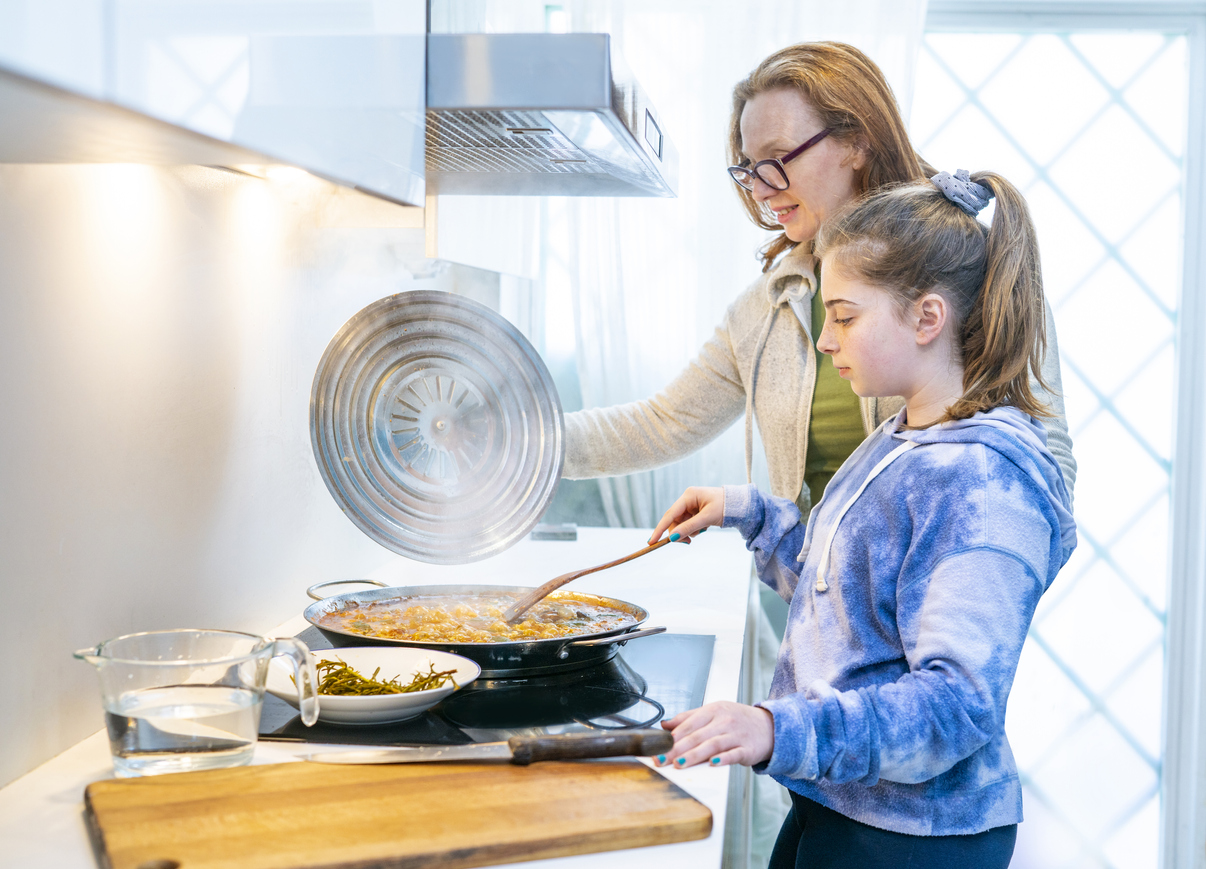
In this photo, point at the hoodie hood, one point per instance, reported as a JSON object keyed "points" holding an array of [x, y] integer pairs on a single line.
{"points": [[1017, 436]]}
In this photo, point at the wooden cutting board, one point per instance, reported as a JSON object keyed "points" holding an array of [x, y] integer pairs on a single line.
{"points": [[302, 815]]}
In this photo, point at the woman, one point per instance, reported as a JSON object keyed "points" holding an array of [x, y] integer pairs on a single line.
{"points": [[813, 127]]}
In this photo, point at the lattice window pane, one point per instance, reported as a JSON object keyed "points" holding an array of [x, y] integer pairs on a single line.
{"points": [[1091, 127]]}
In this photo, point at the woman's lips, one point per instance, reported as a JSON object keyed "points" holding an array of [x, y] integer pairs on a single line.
{"points": [[785, 215]]}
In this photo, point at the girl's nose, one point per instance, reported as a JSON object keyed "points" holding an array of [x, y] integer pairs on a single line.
{"points": [[825, 342]]}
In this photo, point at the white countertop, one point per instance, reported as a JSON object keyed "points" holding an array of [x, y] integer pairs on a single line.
{"points": [[698, 589]]}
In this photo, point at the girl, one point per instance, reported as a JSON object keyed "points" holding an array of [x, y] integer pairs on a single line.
{"points": [[913, 585]]}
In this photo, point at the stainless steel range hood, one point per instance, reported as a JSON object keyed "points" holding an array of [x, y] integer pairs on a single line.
{"points": [[401, 116], [542, 114]]}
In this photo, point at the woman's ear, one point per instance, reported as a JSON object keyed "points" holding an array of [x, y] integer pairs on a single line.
{"points": [[933, 312], [859, 149]]}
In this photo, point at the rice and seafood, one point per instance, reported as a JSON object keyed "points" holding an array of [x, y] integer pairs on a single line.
{"points": [[477, 618]]}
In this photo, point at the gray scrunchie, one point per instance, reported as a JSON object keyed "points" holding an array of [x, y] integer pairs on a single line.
{"points": [[961, 190]]}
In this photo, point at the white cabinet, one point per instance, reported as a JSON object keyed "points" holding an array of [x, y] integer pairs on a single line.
{"points": [[335, 87]]}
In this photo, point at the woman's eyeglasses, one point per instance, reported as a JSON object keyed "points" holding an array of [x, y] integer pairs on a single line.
{"points": [[772, 172]]}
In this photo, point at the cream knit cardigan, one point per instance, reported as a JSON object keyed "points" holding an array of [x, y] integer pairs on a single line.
{"points": [[761, 361]]}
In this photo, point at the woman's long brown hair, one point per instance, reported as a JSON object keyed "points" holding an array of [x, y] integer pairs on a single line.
{"points": [[852, 98], [911, 240]]}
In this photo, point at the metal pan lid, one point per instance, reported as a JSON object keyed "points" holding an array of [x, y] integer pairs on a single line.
{"points": [[437, 428]]}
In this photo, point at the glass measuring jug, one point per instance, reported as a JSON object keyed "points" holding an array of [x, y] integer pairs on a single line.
{"points": [[183, 700]]}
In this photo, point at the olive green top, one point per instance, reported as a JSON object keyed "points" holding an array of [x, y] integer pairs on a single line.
{"points": [[835, 426]]}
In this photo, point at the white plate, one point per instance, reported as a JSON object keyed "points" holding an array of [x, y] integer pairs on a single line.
{"points": [[400, 662]]}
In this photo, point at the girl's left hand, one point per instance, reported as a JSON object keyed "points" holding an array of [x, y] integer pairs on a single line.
{"points": [[719, 734]]}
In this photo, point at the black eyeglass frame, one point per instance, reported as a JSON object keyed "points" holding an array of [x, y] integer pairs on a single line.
{"points": [[749, 173]]}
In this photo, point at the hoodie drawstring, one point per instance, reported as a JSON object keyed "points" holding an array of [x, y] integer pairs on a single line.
{"points": [[823, 566]]}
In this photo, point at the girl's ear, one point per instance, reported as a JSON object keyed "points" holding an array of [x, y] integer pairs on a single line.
{"points": [[932, 311]]}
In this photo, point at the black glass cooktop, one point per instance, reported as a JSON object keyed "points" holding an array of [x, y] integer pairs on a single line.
{"points": [[650, 679]]}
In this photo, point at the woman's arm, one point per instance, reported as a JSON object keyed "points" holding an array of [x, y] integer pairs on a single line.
{"points": [[694, 409]]}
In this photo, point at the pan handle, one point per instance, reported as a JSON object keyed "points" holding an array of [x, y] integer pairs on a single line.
{"points": [[618, 638], [310, 591]]}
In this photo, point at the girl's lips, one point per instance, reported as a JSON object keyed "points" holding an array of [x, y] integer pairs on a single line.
{"points": [[784, 216]]}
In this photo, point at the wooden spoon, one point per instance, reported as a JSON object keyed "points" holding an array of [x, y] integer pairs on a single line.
{"points": [[521, 606]]}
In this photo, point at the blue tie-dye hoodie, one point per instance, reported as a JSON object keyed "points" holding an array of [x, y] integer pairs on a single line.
{"points": [[911, 592]]}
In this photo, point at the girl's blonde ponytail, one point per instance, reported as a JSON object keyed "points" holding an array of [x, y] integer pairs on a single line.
{"points": [[1004, 337]]}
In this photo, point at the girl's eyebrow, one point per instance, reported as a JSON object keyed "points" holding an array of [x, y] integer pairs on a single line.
{"points": [[833, 302]]}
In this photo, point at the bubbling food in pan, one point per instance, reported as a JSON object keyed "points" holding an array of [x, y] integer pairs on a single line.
{"points": [[477, 618]]}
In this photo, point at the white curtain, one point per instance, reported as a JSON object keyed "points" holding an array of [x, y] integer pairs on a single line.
{"points": [[651, 278]]}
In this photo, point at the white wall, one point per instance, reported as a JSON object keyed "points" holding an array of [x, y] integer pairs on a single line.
{"points": [[159, 331]]}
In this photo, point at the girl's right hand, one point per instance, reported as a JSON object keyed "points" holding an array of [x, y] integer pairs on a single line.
{"points": [[699, 507]]}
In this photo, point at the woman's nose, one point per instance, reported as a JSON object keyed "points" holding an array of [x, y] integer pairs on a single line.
{"points": [[762, 191]]}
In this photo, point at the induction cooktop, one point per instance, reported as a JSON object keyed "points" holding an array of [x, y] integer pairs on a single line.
{"points": [[650, 679]]}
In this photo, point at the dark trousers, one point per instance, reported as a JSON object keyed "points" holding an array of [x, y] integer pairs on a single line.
{"points": [[814, 837]]}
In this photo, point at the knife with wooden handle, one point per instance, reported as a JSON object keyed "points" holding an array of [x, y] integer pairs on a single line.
{"points": [[520, 750]]}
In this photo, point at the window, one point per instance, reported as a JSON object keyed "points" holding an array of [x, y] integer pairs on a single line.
{"points": [[1091, 119]]}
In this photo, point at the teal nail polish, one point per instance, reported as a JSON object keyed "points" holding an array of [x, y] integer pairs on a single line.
{"points": [[716, 761], [661, 758], [674, 537], [702, 530], [680, 761]]}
